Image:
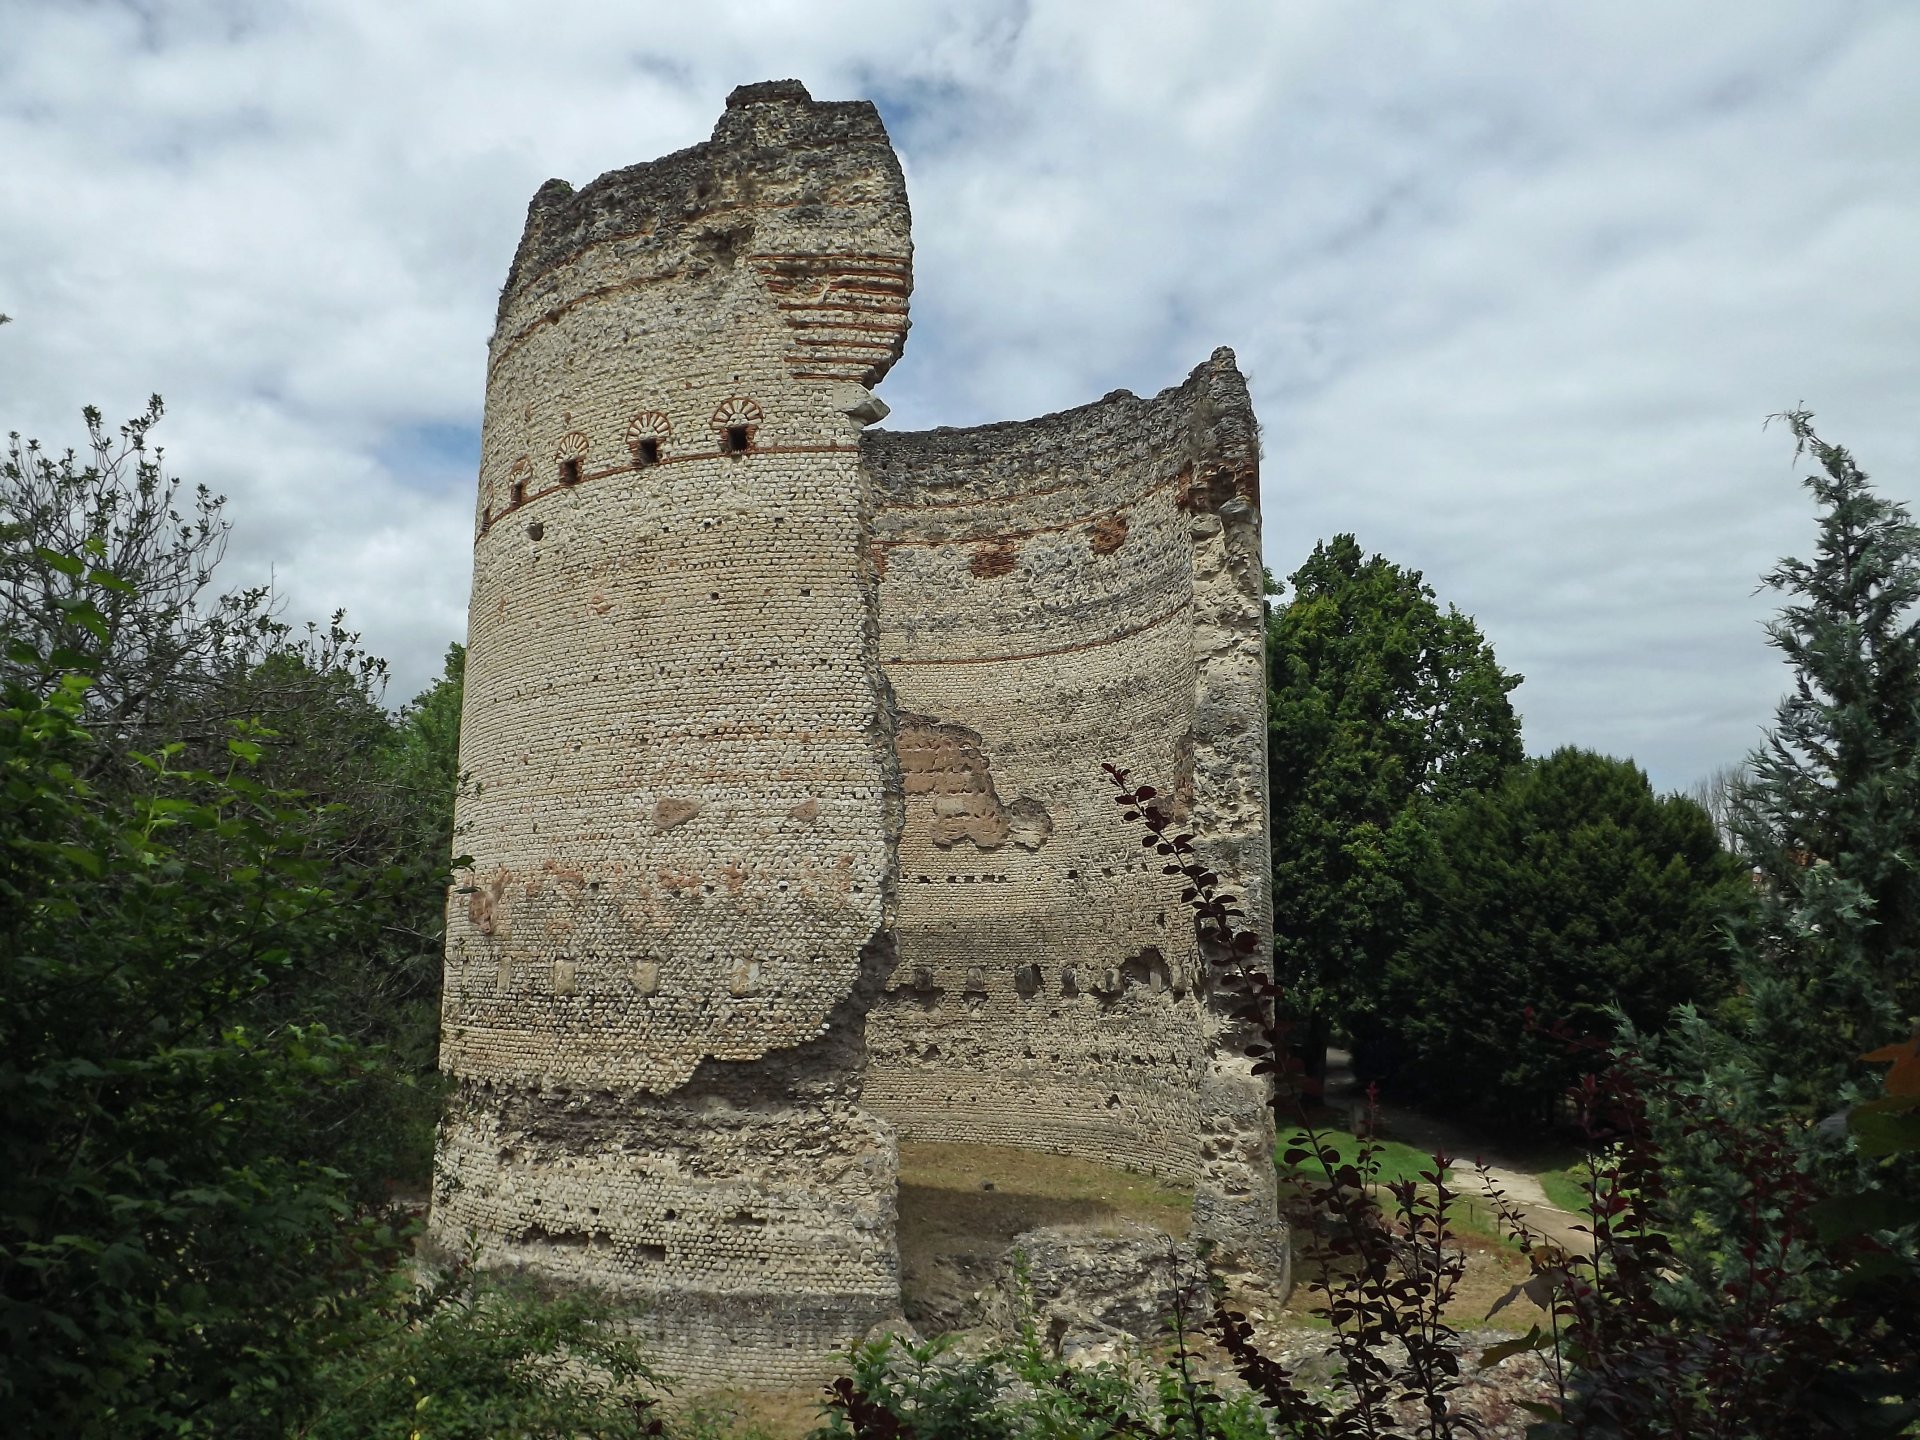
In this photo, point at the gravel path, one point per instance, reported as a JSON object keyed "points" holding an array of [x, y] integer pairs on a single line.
{"points": [[1469, 1146]]}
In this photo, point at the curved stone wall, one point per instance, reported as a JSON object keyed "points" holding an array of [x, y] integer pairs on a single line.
{"points": [[684, 793], [1040, 614]]}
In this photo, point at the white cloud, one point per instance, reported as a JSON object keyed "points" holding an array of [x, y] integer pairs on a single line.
{"points": [[1514, 284]]}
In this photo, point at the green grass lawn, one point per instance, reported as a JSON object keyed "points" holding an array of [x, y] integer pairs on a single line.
{"points": [[1472, 1215], [1469, 1214], [1567, 1188], [1397, 1161]]}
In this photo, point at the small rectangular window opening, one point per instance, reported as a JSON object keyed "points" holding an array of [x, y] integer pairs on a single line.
{"points": [[569, 472], [736, 439], [647, 452], [517, 494]]}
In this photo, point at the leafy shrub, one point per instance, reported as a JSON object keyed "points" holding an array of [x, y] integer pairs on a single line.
{"points": [[198, 1046], [901, 1391], [1389, 1161], [169, 1216], [470, 1360], [1637, 1356]]}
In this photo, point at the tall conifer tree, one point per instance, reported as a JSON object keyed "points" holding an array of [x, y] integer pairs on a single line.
{"points": [[1830, 812]]}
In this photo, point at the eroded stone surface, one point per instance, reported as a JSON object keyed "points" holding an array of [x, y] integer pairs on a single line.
{"points": [[656, 988], [785, 746], [1120, 619]]}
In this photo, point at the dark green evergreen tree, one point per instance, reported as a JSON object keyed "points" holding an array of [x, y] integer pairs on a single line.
{"points": [[1571, 891], [1381, 705], [1830, 811], [1826, 958]]}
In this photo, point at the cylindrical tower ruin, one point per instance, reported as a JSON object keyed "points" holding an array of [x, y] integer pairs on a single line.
{"points": [[736, 675], [682, 799]]}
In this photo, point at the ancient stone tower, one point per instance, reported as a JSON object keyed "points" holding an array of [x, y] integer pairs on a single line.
{"points": [[788, 825]]}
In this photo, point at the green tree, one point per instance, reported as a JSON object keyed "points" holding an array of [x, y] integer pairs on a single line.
{"points": [[170, 1219], [1569, 890], [220, 952], [1381, 705], [1827, 960], [1830, 810], [158, 639], [175, 660], [420, 765], [381, 984]]}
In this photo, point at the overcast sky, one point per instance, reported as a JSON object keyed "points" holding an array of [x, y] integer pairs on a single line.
{"points": [[1515, 285]]}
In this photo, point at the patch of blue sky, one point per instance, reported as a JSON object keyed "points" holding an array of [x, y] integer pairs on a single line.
{"points": [[921, 116], [433, 456]]}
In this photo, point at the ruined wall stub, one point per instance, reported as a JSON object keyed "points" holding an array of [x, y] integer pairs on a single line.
{"points": [[736, 910], [687, 799], [1055, 593]]}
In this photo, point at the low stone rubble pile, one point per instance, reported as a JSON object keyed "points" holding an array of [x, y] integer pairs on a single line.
{"points": [[1099, 1295]]}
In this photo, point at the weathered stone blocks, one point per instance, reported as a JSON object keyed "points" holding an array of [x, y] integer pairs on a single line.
{"points": [[786, 812]]}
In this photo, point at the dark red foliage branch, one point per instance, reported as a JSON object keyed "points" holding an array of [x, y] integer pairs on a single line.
{"points": [[1386, 1271], [866, 1419], [1636, 1353]]}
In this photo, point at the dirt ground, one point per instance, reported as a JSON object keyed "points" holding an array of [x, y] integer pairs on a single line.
{"points": [[993, 1191], [748, 1415], [1493, 1268]]}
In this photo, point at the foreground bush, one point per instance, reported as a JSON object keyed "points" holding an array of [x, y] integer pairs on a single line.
{"points": [[902, 1391], [208, 1068], [470, 1360], [1638, 1355], [170, 1220]]}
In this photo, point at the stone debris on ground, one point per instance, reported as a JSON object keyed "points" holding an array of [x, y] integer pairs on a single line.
{"points": [[1101, 1295]]}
